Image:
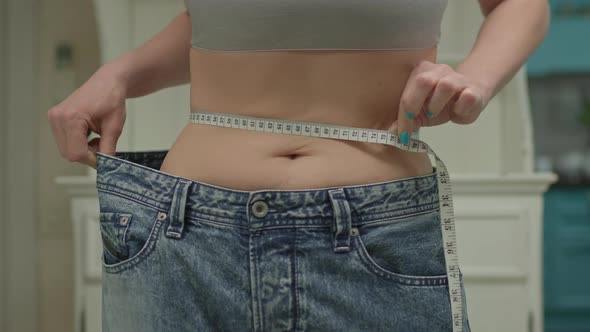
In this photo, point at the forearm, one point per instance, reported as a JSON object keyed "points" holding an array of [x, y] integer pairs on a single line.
{"points": [[161, 62], [509, 35]]}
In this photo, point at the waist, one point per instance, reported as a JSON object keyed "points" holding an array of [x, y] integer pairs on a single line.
{"points": [[250, 160]]}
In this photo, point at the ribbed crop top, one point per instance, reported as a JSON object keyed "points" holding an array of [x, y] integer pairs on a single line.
{"points": [[258, 25]]}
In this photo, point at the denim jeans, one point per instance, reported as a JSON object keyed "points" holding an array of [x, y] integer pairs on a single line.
{"points": [[183, 255]]}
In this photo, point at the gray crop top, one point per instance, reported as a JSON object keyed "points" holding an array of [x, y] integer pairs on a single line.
{"points": [[257, 25]]}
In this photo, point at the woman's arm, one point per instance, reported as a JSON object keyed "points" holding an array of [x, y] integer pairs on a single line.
{"points": [[435, 93], [161, 62], [512, 30]]}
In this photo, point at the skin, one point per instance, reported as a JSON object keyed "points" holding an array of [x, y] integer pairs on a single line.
{"points": [[369, 89]]}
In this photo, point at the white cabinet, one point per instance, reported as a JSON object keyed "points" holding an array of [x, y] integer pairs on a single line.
{"points": [[87, 252], [497, 197], [499, 231]]}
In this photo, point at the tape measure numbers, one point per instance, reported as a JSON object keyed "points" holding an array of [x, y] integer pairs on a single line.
{"points": [[371, 136]]}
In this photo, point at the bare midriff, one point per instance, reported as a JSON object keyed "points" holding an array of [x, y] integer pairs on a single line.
{"points": [[358, 88]]}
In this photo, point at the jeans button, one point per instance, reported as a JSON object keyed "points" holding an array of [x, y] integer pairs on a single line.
{"points": [[260, 209]]}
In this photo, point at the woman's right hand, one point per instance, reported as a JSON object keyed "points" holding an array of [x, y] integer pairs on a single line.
{"points": [[98, 105]]}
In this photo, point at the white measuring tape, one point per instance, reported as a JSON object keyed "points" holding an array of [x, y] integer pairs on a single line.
{"points": [[372, 136]]}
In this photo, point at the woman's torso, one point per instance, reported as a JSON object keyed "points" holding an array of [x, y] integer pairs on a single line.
{"points": [[349, 88]]}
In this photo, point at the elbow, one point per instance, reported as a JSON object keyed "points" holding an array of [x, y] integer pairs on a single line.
{"points": [[539, 8], [543, 17], [487, 6]]}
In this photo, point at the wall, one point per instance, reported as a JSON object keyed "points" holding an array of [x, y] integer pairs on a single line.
{"points": [[2, 163], [19, 159], [69, 21]]}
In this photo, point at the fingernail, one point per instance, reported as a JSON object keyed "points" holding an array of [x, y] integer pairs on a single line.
{"points": [[428, 114], [410, 115], [405, 137]]}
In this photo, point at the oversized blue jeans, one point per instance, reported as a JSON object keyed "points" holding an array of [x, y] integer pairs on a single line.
{"points": [[182, 255]]}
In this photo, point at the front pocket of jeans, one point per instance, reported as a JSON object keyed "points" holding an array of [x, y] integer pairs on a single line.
{"points": [[407, 250], [127, 237]]}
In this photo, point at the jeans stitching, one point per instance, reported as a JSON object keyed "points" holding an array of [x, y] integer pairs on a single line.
{"points": [[397, 218], [147, 249], [110, 189], [406, 280]]}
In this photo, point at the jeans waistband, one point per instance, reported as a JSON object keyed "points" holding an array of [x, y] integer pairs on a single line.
{"points": [[136, 175]]}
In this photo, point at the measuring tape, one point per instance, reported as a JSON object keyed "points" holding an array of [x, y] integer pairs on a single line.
{"points": [[314, 129]]}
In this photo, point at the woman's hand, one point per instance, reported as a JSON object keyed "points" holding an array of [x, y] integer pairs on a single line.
{"points": [[98, 105], [435, 94]]}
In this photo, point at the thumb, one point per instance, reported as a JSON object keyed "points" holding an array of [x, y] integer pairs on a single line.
{"points": [[393, 127], [108, 142], [91, 155]]}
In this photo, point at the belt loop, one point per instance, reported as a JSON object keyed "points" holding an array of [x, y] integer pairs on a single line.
{"points": [[177, 208], [342, 220]]}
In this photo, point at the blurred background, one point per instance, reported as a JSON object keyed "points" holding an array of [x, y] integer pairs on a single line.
{"points": [[521, 182]]}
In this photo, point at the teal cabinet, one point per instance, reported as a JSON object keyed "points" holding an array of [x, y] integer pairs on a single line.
{"points": [[567, 259], [566, 47]]}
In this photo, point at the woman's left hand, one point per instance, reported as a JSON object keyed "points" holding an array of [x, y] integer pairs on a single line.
{"points": [[435, 94]]}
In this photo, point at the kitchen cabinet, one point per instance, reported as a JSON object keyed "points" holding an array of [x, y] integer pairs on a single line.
{"points": [[567, 259]]}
